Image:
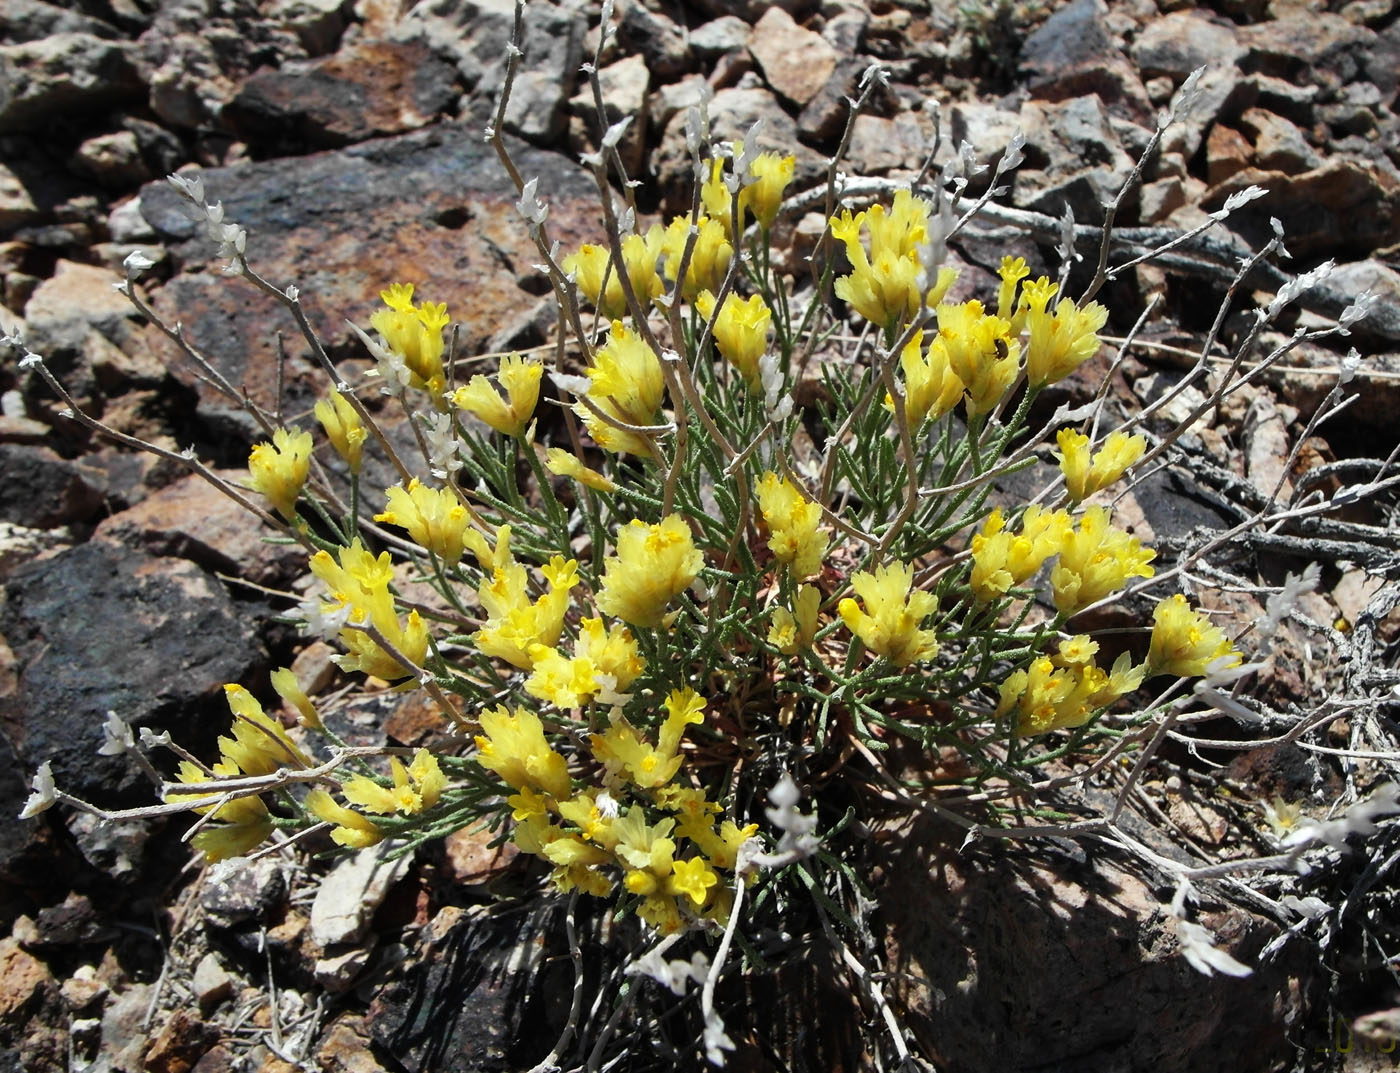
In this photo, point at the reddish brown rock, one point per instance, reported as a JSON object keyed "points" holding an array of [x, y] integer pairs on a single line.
{"points": [[368, 90], [796, 62], [1228, 153], [181, 1042]]}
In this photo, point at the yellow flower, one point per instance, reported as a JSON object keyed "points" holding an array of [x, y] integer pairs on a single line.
{"points": [[284, 681], [1084, 477], [360, 582], [709, 259], [514, 747], [1095, 560], [653, 565], [343, 428], [627, 386], [884, 287], [242, 823], [562, 464], [931, 388], [791, 633], [769, 176], [603, 660], [1048, 698], [693, 879], [741, 332], [792, 522], [981, 353], [434, 517], [278, 470], [639, 256], [259, 745], [509, 416], [515, 625], [889, 622], [414, 788], [1012, 271], [1002, 560], [1185, 643], [353, 830], [414, 333], [1060, 341]]}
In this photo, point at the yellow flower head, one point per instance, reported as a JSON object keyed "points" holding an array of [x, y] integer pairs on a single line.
{"points": [[885, 286], [359, 582], [278, 470], [514, 747], [1185, 643], [434, 517], [343, 428], [931, 388], [414, 333], [259, 745], [653, 565], [1095, 560], [284, 681], [1083, 476], [792, 522], [709, 260], [981, 353], [639, 254], [603, 660], [791, 633], [1002, 560], [1047, 697], [413, 788], [1012, 271], [769, 176], [509, 416], [1060, 341], [627, 386], [741, 331], [563, 464], [352, 830], [515, 624], [889, 622]]}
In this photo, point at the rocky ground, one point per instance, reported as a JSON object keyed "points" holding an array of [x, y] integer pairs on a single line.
{"points": [[346, 137]]}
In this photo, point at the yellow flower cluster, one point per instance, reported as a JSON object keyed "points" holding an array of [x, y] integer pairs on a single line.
{"points": [[1084, 473], [278, 470], [434, 517], [516, 625], [888, 624], [591, 834], [886, 285], [358, 583], [1067, 689], [709, 259], [414, 333], [605, 662], [626, 386], [259, 746], [510, 416], [1185, 643], [598, 278], [563, 464], [412, 790], [791, 631], [792, 521], [1061, 340], [980, 352], [343, 427], [654, 564], [1095, 560], [1002, 560], [761, 193], [931, 388], [741, 331]]}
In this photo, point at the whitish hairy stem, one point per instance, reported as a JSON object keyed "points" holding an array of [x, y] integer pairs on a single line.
{"points": [[292, 300], [877, 996], [423, 676], [707, 992], [194, 465], [550, 1062]]}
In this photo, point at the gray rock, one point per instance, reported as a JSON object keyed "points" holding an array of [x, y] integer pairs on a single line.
{"points": [[718, 36], [824, 117], [240, 891], [126, 224], [317, 23], [655, 38], [1278, 144], [17, 207], [474, 35], [1176, 44], [212, 983], [880, 145], [673, 98], [112, 160], [170, 637], [33, 20], [348, 897], [1217, 93], [1083, 163], [624, 86], [64, 75], [38, 489]]}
